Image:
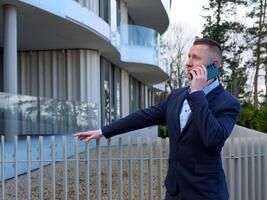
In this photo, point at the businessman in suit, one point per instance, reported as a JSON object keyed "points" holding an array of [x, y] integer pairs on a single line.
{"points": [[199, 119]]}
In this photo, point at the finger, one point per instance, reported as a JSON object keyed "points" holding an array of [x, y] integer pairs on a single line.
{"points": [[82, 137], [204, 70], [82, 134], [193, 74], [199, 71], [89, 138], [78, 134], [196, 72]]}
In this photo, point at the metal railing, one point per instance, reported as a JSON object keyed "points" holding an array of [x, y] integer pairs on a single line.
{"points": [[245, 164], [132, 168], [64, 169]]}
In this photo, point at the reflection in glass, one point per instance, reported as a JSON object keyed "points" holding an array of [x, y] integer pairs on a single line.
{"points": [[43, 116], [107, 102]]}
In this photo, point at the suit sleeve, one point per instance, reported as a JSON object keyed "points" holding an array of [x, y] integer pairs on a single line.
{"points": [[142, 118], [213, 130]]}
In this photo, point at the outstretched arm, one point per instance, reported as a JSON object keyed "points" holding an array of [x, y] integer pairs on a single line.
{"points": [[142, 118]]}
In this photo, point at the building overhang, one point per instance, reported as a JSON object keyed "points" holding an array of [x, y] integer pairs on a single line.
{"points": [[38, 29], [143, 13]]}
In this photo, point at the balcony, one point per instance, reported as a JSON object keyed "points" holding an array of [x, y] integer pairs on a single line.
{"points": [[139, 49], [142, 13], [137, 41]]}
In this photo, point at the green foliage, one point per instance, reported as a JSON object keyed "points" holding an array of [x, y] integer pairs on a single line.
{"points": [[253, 117], [248, 116], [262, 118], [162, 131]]}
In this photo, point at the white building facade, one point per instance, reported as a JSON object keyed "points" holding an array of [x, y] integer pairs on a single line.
{"points": [[61, 61]]}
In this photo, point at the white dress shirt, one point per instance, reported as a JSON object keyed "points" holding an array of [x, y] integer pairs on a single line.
{"points": [[186, 111]]}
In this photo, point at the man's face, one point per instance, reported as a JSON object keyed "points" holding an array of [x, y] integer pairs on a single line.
{"points": [[197, 56]]}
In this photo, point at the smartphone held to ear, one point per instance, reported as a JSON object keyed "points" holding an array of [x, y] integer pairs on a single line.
{"points": [[212, 70]]}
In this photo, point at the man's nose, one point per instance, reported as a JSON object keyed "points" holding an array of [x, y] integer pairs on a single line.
{"points": [[189, 64]]}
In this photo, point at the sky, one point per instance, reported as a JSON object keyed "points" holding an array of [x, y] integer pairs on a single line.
{"points": [[188, 12]]}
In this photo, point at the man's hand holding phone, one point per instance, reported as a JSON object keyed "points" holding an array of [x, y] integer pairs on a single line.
{"points": [[199, 78]]}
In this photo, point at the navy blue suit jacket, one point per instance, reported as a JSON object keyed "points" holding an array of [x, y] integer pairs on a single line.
{"points": [[195, 165]]}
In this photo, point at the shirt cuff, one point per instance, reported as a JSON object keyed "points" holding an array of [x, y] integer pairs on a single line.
{"points": [[100, 132]]}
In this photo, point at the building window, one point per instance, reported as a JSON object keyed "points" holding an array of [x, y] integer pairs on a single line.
{"points": [[110, 92], [142, 96], [104, 8], [118, 6], [117, 92], [149, 95], [135, 93]]}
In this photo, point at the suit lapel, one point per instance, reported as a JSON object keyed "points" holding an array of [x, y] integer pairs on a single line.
{"points": [[178, 106], [186, 126], [210, 97]]}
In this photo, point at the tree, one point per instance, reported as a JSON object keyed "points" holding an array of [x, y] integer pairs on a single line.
{"points": [[174, 48], [255, 38], [222, 25]]}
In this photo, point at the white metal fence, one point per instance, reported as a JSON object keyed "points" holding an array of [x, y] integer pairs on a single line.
{"points": [[132, 171], [245, 164], [135, 170]]}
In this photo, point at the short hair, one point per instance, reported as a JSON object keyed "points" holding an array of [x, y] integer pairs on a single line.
{"points": [[214, 45]]}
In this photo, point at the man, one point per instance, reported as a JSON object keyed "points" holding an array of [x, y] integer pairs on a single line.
{"points": [[199, 118]]}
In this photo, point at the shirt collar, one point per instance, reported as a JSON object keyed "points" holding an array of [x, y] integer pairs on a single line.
{"points": [[211, 86]]}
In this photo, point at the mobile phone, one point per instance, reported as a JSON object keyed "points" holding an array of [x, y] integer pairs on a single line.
{"points": [[213, 71]]}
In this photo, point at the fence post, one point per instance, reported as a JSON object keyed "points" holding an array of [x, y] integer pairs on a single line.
{"points": [[65, 169], [76, 168], [252, 192], [87, 183], [98, 169], [159, 144], [109, 170], [16, 166], [265, 168], [130, 168], [41, 161], [150, 168], [3, 166], [53, 168], [259, 175], [120, 177], [238, 144], [29, 167], [141, 166], [232, 168]]}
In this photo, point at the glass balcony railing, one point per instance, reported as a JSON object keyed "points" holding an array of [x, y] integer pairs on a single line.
{"points": [[139, 44], [29, 115], [138, 35]]}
